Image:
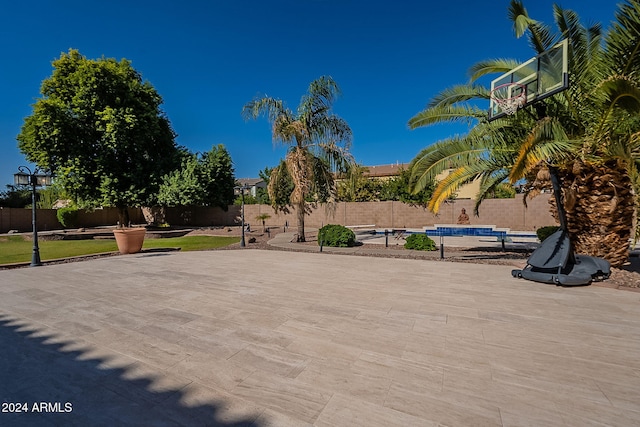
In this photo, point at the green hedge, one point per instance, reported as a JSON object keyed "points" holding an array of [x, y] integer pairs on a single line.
{"points": [[544, 232], [420, 242], [336, 236], [68, 217]]}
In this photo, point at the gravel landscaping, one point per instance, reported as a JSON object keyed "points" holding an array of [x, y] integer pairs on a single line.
{"points": [[627, 278]]}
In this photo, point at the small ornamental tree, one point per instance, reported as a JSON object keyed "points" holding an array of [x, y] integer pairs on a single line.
{"points": [[99, 129], [263, 218]]}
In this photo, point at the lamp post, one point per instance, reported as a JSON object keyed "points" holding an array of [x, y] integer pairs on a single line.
{"points": [[26, 177], [242, 189]]}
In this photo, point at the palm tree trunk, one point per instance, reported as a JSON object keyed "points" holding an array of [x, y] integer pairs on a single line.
{"points": [[298, 166], [300, 212], [600, 206]]}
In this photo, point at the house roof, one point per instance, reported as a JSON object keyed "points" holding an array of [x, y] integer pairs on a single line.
{"points": [[249, 181], [385, 170]]}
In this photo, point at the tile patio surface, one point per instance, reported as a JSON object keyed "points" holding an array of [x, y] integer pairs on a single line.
{"points": [[270, 338]]}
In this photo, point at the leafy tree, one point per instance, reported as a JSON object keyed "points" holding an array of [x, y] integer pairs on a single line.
{"points": [[589, 132], [280, 187], [203, 180], [248, 200], [318, 142], [182, 186], [99, 128], [49, 195], [15, 197], [217, 168], [399, 188], [262, 194], [356, 186]]}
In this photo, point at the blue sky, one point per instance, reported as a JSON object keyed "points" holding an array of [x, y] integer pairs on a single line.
{"points": [[208, 58]]}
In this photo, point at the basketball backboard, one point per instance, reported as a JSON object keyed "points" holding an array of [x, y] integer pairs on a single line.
{"points": [[534, 80]]}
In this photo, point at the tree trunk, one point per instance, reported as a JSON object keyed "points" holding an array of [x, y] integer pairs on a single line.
{"points": [[298, 167], [599, 202], [300, 213], [123, 217]]}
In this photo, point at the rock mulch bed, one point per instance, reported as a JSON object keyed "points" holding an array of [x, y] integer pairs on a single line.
{"points": [[627, 278]]}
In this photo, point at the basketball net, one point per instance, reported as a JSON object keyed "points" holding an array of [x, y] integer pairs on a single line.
{"points": [[509, 97]]}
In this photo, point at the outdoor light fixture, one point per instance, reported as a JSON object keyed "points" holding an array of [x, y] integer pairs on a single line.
{"points": [[242, 189], [34, 179]]}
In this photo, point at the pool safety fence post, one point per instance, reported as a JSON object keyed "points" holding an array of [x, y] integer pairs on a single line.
{"points": [[441, 245], [386, 238]]}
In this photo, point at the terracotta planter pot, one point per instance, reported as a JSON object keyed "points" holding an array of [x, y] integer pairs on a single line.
{"points": [[129, 240]]}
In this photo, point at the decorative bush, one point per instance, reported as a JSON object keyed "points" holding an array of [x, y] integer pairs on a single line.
{"points": [[544, 232], [336, 236], [68, 217], [420, 242]]}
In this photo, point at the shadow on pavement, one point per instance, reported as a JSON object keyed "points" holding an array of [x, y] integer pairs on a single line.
{"points": [[71, 388]]}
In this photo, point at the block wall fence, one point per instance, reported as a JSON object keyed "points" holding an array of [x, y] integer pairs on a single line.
{"points": [[508, 213]]}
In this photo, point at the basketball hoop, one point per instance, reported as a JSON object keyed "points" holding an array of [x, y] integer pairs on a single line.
{"points": [[509, 97]]}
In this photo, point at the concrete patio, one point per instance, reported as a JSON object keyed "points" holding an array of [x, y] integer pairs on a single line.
{"points": [[271, 338]]}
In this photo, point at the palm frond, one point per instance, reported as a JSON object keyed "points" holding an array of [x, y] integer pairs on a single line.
{"points": [[540, 36], [454, 153], [320, 96], [546, 141], [447, 114], [322, 181], [623, 40], [488, 185], [459, 93], [272, 108], [584, 43], [483, 169], [333, 129], [336, 156], [622, 92], [520, 18], [491, 66]]}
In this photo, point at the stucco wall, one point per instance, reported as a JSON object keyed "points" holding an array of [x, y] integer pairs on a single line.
{"points": [[509, 213]]}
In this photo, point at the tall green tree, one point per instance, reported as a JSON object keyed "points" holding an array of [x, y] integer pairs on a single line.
{"points": [[15, 197], [318, 142], [205, 179], [588, 132], [218, 176], [262, 194], [99, 128]]}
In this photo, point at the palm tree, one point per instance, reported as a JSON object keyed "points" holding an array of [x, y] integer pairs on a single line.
{"points": [[318, 142], [263, 217], [588, 132]]}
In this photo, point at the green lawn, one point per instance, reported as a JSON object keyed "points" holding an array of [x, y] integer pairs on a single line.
{"points": [[15, 249]]}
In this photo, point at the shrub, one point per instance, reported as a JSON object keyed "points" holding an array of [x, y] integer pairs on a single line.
{"points": [[420, 242], [544, 232], [68, 217], [336, 236]]}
